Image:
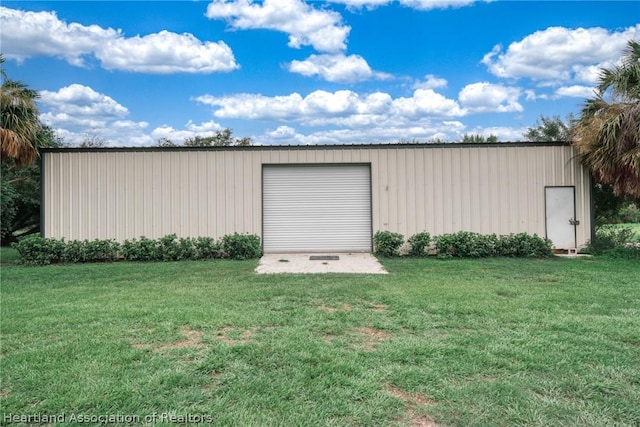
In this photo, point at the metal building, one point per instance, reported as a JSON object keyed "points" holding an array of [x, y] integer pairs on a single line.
{"points": [[317, 198]]}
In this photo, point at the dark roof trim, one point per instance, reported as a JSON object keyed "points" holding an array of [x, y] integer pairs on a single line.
{"points": [[302, 147]]}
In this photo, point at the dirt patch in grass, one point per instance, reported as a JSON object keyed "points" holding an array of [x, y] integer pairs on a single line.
{"points": [[412, 400], [371, 337], [328, 338], [214, 384], [234, 336], [216, 375], [329, 309], [362, 337], [379, 308], [193, 338], [420, 420], [376, 307]]}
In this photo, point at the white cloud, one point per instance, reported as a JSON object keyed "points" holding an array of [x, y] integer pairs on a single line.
{"points": [[254, 106], [431, 82], [504, 134], [282, 135], [79, 100], [323, 103], [575, 91], [165, 53], [414, 4], [560, 54], [590, 73], [343, 107], [424, 131], [28, 34], [336, 68], [124, 133], [306, 26], [112, 134], [78, 112], [426, 102], [488, 97], [190, 130], [435, 4], [531, 95], [128, 125], [58, 120], [359, 4]]}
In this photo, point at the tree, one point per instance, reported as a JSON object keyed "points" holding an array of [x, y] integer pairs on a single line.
{"points": [[20, 192], [549, 129], [607, 133], [221, 138], [21, 134], [606, 204], [19, 122], [93, 140], [165, 142], [467, 138]]}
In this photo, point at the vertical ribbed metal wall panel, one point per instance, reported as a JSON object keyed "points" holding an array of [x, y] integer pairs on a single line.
{"points": [[441, 189], [121, 195]]}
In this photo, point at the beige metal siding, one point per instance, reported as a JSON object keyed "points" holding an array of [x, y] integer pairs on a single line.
{"points": [[441, 189]]}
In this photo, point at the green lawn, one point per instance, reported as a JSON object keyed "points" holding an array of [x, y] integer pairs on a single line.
{"points": [[463, 342]]}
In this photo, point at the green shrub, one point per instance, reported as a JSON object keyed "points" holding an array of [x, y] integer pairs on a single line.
{"points": [[524, 245], [170, 248], [167, 248], [74, 251], [608, 238], [466, 244], [143, 249], [387, 243], [419, 244], [206, 248], [37, 250], [8, 208], [186, 249], [629, 213], [241, 246], [101, 250]]}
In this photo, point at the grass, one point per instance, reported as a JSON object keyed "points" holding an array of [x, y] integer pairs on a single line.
{"points": [[8, 255], [459, 342]]}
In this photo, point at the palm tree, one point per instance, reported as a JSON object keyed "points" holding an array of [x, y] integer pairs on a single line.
{"points": [[607, 134], [19, 123]]}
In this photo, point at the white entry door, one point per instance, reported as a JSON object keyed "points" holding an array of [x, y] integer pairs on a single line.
{"points": [[316, 208], [560, 216]]}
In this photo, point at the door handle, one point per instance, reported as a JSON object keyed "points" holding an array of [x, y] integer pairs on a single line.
{"points": [[573, 221]]}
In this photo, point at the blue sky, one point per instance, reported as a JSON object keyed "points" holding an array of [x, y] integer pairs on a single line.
{"points": [[295, 72]]}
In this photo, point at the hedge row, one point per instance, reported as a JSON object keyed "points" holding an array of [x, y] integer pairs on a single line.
{"points": [[40, 251], [464, 244]]}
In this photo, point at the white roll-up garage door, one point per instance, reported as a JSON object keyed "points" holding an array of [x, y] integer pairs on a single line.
{"points": [[316, 208]]}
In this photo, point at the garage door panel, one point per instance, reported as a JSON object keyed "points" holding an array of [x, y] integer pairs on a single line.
{"points": [[309, 208]]}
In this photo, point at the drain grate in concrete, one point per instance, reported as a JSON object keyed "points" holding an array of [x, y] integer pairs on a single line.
{"points": [[324, 258]]}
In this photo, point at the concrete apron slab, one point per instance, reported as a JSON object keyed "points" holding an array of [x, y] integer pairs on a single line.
{"points": [[360, 263]]}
